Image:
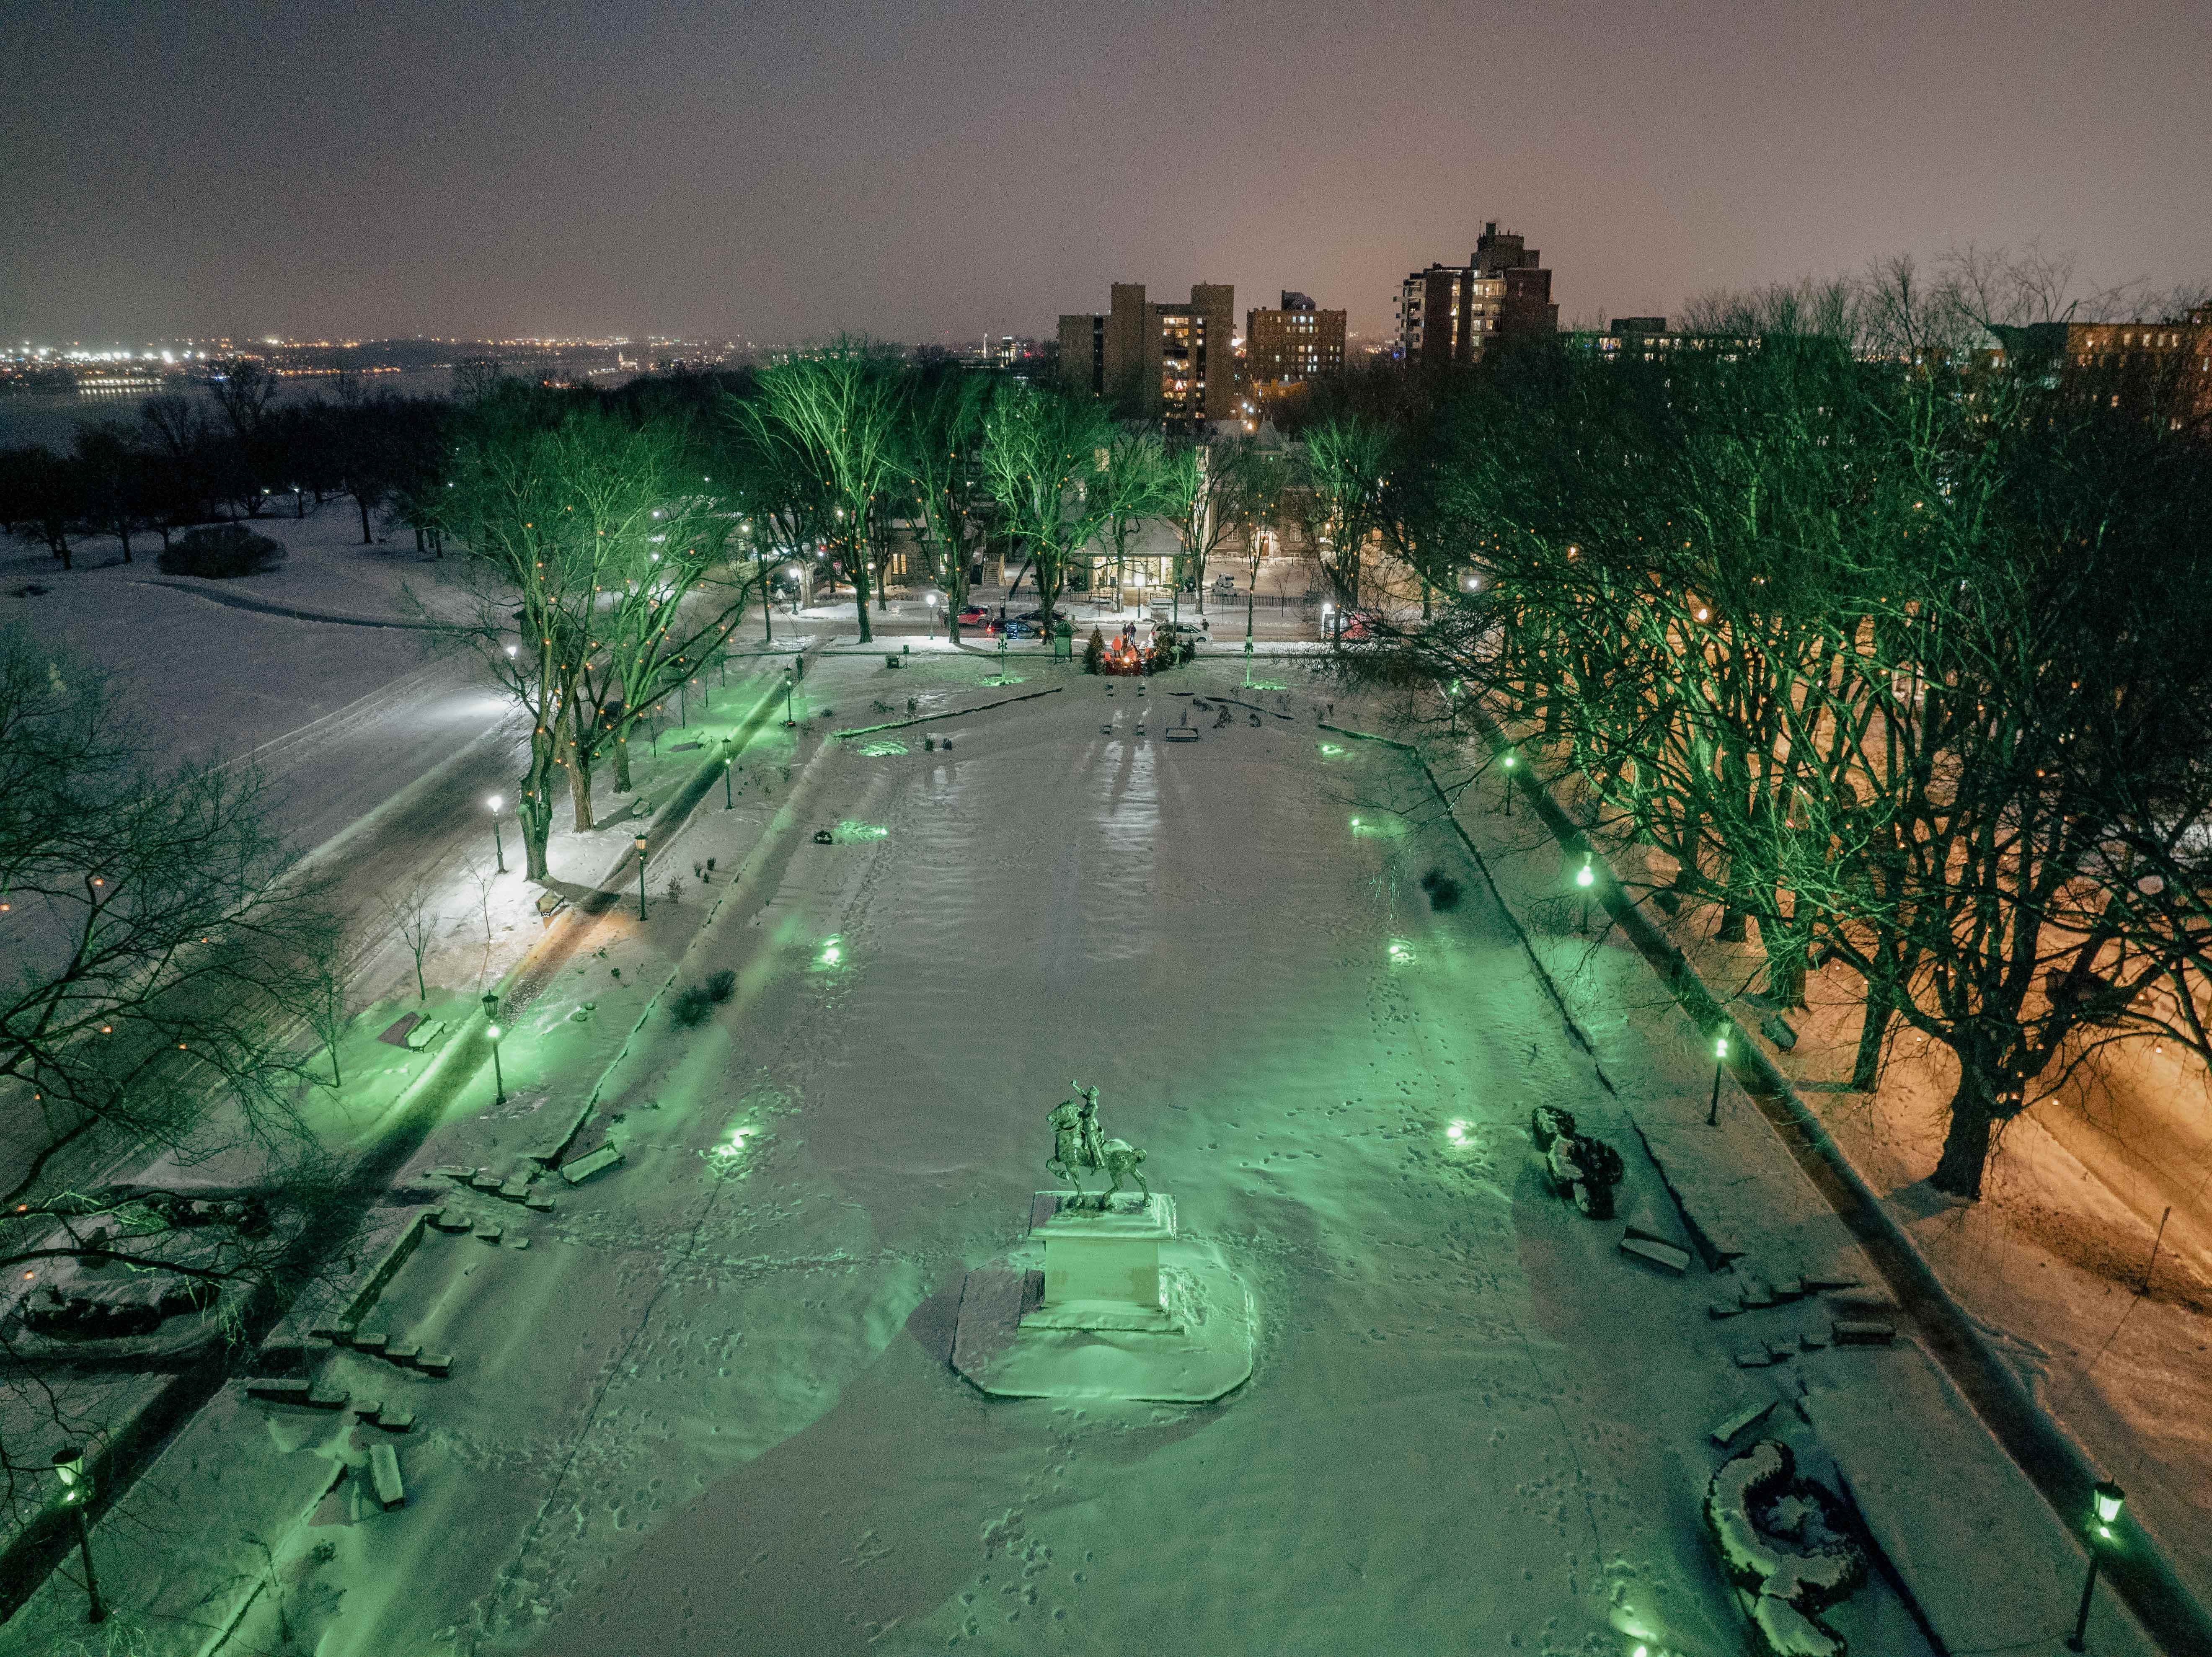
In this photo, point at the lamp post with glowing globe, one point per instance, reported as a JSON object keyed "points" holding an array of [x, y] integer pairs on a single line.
{"points": [[76, 1496], [2105, 1502]]}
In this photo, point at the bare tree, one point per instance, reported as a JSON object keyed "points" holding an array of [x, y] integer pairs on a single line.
{"points": [[416, 925], [939, 455], [1200, 484], [163, 953], [836, 412], [1044, 457]]}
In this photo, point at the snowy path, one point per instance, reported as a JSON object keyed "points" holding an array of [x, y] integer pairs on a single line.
{"points": [[709, 1409]]}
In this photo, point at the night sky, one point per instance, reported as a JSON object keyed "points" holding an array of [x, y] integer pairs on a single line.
{"points": [[778, 170]]}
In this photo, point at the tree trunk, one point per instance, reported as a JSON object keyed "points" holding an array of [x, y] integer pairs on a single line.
{"points": [[623, 783], [534, 817], [366, 539], [1874, 1036], [579, 791], [1732, 927], [1966, 1140], [861, 600], [123, 533]]}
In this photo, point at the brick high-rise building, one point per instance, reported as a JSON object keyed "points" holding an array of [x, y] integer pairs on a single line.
{"points": [[1286, 347], [1175, 362], [1453, 312]]}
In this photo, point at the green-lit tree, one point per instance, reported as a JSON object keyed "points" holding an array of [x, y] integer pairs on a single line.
{"points": [[1346, 461], [1202, 483], [836, 415], [545, 500], [1891, 662], [1044, 454], [939, 455], [1137, 484]]}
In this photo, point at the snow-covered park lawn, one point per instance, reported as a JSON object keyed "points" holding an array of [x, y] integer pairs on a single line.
{"points": [[708, 1408]]}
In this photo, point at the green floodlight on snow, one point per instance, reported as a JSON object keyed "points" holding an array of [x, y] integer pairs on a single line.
{"points": [[832, 953], [1720, 1061], [1401, 953]]}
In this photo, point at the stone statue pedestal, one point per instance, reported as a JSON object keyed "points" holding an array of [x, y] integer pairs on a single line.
{"points": [[1111, 1305], [1102, 1269]]}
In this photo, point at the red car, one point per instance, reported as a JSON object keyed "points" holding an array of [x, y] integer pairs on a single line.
{"points": [[973, 615]]}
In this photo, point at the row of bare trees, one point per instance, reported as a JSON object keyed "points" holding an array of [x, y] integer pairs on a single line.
{"points": [[239, 452], [1904, 667], [611, 546]]}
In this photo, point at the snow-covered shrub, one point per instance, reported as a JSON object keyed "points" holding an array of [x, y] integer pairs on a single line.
{"points": [[1786, 1540], [1546, 1123], [1581, 1169], [221, 551], [690, 1004], [1443, 891]]}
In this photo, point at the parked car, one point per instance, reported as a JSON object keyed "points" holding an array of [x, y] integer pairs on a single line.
{"points": [[974, 616], [1224, 586], [1358, 624], [1021, 627]]}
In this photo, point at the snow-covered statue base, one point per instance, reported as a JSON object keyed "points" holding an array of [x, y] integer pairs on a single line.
{"points": [[1105, 1303], [1786, 1541]]}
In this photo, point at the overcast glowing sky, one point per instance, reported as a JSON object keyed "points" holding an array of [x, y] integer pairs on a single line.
{"points": [[775, 170]]}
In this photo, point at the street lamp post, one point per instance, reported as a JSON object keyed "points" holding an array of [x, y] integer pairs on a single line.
{"points": [[2106, 1500], [641, 877], [789, 680], [728, 803], [76, 1496], [498, 851], [1585, 877], [1720, 1060], [498, 1076], [1452, 700], [1002, 653], [1509, 760]]}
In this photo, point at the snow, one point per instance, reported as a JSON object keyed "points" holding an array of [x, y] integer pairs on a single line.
{"points": [[704, 1402], [2051, 1259], [709, 1403]]}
